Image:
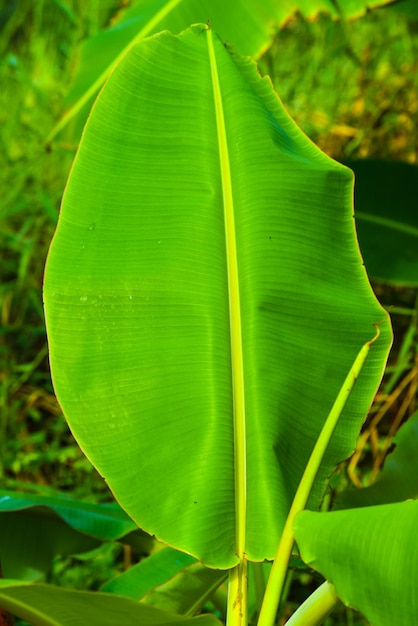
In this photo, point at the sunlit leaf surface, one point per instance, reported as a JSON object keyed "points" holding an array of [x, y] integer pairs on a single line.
{"points": [[205, 299], [370, 555]]}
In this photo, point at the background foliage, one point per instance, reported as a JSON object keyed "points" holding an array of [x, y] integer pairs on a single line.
{"points": [[353, 89]]}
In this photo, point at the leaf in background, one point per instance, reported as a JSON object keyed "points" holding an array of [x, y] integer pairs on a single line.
{"points": [[350, 9], [106, 522], [205, 299], [46, 605], [409, 7], [35, 529], [247, 25], [29, 543], [370, 555], [386, 198], [398, 480], [150, 573], [170, 580], [187, 592]]}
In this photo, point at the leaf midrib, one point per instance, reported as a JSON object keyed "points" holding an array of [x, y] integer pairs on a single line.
{"points": [[237, 362]]}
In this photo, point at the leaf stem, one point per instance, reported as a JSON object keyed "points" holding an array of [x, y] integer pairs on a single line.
{"points": [[237, 614], [280, 565], [316, 608]]}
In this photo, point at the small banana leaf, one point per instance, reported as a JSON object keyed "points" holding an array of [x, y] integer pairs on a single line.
{"points": [[46, 605], [106, 522], [149, 574], [370, 555], [35, 529], [169, 579]]}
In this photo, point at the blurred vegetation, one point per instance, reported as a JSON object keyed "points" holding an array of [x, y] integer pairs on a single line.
{"points": [[37, 42], [352, 88]]}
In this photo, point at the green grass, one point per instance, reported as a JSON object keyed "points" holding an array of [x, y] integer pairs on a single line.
{"points": [[353, 89], [38, 42]]}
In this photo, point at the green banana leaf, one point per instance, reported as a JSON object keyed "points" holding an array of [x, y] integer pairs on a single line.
{"points": [[399, 478], [29, 544], [370, 555], [205, 299], [170, 580], [149, 574], [187, 592], [46, 605], [386, 199], [35, 529], [247, 25], [106, 522]]}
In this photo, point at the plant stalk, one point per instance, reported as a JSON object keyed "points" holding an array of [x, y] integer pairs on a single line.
{"points": [[281, 562], [237, 613], [316, 608]]}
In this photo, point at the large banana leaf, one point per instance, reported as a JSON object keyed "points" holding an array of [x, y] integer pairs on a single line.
{"points": [[205, 299], [248, 25], [370, 555]]}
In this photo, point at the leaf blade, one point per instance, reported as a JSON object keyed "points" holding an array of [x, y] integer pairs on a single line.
{"points": [[47, 605], [137, 300], [369, 555]]}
